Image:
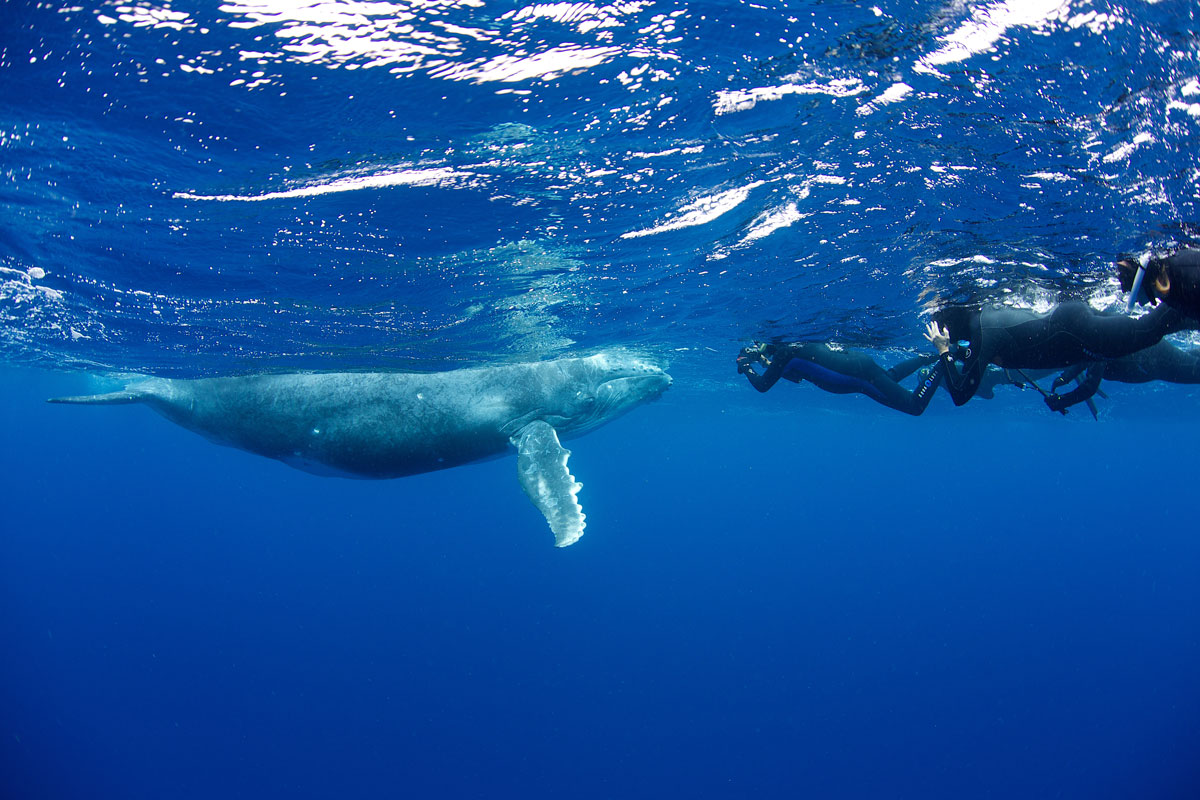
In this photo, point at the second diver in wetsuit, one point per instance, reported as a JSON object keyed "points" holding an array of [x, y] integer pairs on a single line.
{"points": [[1017, 338], [837, 370], [1159, 362]]}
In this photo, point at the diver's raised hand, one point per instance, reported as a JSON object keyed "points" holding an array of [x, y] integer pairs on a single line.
{"points": [[939, 337]]}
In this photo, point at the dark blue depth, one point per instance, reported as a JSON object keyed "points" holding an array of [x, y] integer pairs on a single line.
{"points": [[766, 602]]}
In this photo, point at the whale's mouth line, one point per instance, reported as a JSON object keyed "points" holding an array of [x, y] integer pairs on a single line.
{"points": [[634, 383]]}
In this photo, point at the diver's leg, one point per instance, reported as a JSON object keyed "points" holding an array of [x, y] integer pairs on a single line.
{"points": [[1162, 362], [908, 366], [1170, 363], [853, 371]]}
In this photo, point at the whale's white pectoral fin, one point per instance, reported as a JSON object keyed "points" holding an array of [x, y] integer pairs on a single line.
{"points": [[542, 468]]}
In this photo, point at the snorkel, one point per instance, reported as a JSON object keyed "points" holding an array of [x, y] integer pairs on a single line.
{"points": [[1136, 289]]}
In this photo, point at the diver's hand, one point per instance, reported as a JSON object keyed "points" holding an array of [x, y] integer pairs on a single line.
{"points": [[939, 337], [1056, 402], [749, 357]]}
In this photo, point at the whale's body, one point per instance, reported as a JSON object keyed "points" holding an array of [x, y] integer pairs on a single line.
{"points": [[392, 424]]}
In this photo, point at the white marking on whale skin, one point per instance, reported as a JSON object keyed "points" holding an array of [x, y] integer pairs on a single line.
{"points": [[388, 425]]}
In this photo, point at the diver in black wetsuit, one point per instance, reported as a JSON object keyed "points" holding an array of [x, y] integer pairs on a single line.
{"points": [[837, 371], [1014, 338], [1160, 362], [1174, 279]]}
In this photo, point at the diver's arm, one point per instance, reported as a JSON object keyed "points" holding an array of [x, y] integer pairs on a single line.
{"points": [[961, 385], [773, 371], [1081, 393], [1069, 374], [762, 382]]}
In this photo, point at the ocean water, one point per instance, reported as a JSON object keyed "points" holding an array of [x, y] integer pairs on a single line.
{"points": [[789, 594]]}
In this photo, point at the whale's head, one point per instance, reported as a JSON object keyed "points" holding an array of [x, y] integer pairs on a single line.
{"points": [[598, 388]]}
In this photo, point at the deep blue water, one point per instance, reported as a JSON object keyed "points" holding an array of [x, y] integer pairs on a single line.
{"points": [[790, 594]]}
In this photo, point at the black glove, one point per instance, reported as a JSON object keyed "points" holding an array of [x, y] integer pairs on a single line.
{"points": [[1057, 402]]}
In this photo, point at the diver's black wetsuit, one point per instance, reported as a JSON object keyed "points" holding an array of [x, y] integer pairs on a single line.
{"points": [[1160, 362], [987, 387], [1070, 333], [843, 372]]}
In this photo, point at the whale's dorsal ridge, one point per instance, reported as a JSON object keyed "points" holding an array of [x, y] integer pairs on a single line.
{"points": [[542, 470]]}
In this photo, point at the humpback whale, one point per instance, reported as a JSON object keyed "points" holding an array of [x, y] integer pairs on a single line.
{"points": [[391, 424]]}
